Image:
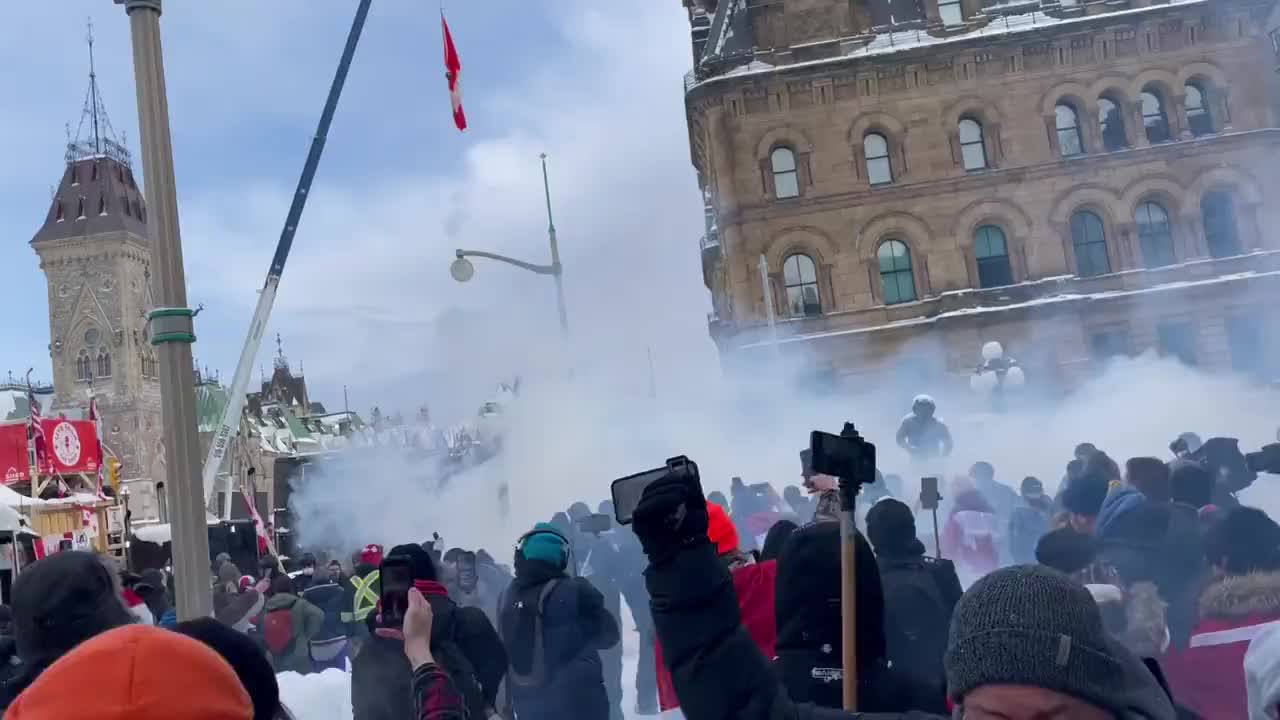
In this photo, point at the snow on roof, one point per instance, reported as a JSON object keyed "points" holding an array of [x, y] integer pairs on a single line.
{"points": [[1049, 300], [891, 42], [12, 498]]}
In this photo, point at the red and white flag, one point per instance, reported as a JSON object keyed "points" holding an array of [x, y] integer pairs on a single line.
{"points": [[35, 428], [259, 528], [453, 71]]}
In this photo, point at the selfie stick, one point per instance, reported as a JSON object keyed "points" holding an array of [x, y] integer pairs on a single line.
{"points": [[848, 602], [937, 541]]}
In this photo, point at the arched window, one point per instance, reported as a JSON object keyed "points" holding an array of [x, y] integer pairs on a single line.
{"points": [[992, 253], [80, 209], [800, 274], [786, 180], [124, 203], [84, 367], [1199, 121], [1218, 213], [896, 277], [58, 213], [1111, 120], [104, 364], [876, 150], [102, 203], [1154, 234], [1153, 117], [973, 151], [1068, 124], [1090, 242]]}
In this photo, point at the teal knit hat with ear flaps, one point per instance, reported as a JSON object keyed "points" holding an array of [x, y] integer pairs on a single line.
{"points": [[546, 543]]}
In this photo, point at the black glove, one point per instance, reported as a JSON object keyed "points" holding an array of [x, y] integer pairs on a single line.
{"points": [[671, 516]]}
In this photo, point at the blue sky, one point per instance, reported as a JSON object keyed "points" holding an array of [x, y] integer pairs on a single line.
{"points": [[597, 85]]}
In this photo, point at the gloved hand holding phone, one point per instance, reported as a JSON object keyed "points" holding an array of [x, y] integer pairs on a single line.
{"points": [[671, 514]]}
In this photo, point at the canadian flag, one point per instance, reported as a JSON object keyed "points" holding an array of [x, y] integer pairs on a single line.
{"points": [[453, 71]]}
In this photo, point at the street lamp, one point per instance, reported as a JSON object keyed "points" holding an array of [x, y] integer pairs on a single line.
{"points": [[462, 270], [997, 372]]}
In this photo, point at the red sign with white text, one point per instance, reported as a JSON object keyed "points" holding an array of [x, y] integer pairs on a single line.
{"points": [[71, 446]]}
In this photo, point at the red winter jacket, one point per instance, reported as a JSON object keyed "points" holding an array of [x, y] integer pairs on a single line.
{"points": [[754, 586], [1208, 676]]}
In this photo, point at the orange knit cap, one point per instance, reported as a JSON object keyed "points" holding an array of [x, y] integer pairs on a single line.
{"points": [[137, 673], [720, 529]]}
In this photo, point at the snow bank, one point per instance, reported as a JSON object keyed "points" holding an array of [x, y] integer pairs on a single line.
{"points": [[321, 696]]}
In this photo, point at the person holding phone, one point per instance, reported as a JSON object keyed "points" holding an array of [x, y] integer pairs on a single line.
{"points": [[435, 697]]}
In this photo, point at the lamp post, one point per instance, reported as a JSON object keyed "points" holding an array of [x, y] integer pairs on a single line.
{"points": [[997, 373], [171, 322], [462, 270]]}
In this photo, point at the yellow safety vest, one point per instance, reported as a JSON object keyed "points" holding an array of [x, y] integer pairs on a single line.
{"points": [[366, 595]]}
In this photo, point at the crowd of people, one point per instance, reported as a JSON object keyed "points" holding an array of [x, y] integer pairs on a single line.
{"points": [[1137, 590]]}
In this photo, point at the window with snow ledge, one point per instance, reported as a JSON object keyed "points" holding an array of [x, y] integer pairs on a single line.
{"points": [[1089, 240], [876, 150], [1111, 121], [973, 151], [897, 280], [1068, 126], [800, 275], [1199, 121], [1154, 234], [950, 13], [991, 251], [1154, 118], [786, 176], [1218, 215]]}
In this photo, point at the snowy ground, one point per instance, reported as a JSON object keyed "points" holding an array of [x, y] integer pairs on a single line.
{"points": [[327, 695]]}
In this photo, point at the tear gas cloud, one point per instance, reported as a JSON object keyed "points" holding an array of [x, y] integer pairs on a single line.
{"points": [[566, 440]]}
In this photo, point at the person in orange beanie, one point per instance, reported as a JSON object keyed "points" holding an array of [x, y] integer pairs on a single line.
{"points": [[139, 673], [754, 584]]}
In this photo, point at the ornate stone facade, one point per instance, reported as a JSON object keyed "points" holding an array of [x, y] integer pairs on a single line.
{"points": [[1078, 181], [95, 254]]}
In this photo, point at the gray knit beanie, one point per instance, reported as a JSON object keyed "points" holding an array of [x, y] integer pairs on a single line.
{"points": [[1029, 625]]}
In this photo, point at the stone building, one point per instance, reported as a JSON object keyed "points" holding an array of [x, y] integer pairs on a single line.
{"points": [[1077, 179], [96, 256]]}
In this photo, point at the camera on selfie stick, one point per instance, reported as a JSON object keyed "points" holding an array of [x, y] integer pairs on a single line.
{"points": [[847, 457]]}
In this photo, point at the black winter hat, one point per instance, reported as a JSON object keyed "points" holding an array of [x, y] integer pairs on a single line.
{"points": [[420, 562], [776, 539], [891, 527], [1029, 625], [1190, 483], [61, 601], [1084, 494], [245, 657], [807, 594], [1066, 550]]}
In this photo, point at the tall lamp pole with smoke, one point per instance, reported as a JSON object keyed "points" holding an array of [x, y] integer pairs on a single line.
{"points": [[996, 374]]}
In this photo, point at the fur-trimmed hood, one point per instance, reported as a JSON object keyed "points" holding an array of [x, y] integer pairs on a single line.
{"points": [[1242, 595]]}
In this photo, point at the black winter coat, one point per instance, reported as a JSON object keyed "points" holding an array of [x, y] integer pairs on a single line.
{"points": [[718, 671], [920, 596], [576, 626], [382, 680]]}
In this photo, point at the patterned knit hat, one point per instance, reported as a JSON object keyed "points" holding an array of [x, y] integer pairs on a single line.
{"points": [[1029, 625]]}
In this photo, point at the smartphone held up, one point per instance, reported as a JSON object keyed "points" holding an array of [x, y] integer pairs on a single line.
{"points": [[627, 491]]}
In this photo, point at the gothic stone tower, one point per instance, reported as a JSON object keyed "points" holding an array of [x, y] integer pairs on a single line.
{"points": [[95, 253]]}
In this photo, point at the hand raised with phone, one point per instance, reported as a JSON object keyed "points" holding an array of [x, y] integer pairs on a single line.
{"points": [[672, 512]]}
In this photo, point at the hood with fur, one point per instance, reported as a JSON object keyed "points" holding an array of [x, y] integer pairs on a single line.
{"points": [[1240, 596]]}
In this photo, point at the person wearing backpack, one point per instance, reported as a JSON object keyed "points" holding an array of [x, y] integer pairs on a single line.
{"points": [[920, 595], [463, 642], [287, 626], [554, 627]]}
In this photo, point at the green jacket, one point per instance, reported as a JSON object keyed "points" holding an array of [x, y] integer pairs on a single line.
{"points": [[307, 620]]}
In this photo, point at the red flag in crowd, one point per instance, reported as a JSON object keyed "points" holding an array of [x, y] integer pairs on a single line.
{"points": [[35, 429], [453, 71], [259, 528]]}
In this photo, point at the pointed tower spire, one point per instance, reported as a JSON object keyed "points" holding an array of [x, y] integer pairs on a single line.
{"points": [[94, 136]]}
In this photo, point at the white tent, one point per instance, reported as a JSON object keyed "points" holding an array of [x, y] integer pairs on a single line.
{"points": [[11, 520], [13, 499]]}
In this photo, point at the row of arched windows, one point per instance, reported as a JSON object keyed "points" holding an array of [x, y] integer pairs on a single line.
{"points": [[1155, 119], [972, 141], [87, 369], [991, 252]]}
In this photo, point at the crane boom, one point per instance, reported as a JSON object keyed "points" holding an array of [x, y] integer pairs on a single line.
{"points": [[267, 297]]}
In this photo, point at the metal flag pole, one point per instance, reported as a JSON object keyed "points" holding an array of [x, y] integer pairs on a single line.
{"points": [[267, 296]]}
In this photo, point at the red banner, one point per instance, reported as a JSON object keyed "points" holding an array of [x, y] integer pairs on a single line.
{"points": [[72, 447]]}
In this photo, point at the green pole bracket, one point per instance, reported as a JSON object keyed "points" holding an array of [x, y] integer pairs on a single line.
{"points": [[172, 325]]}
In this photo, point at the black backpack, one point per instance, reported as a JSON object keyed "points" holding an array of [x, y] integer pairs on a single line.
{"points": [[450, 657], [917, 620]]}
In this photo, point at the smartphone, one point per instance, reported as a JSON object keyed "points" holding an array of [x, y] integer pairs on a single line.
{"points": [[396, 577], [596, 523], [466, 570], [628, 490], [842, 457], [929, 496]]}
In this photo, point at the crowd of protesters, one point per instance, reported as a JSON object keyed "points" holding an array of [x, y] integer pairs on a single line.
{"points": [[1140, 589]]}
